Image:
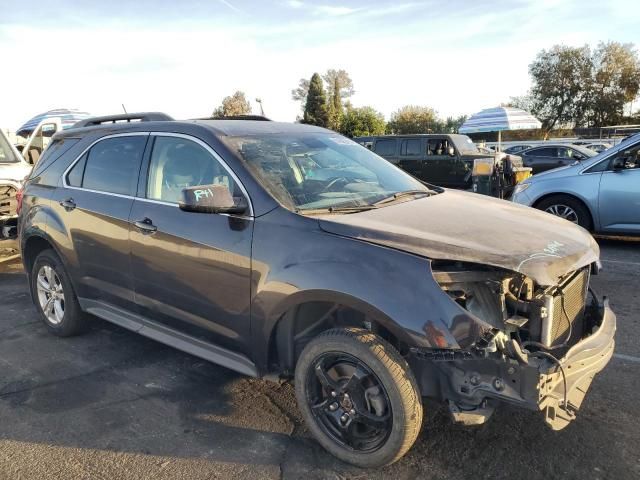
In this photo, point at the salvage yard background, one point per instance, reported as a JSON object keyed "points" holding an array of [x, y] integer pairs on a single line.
{"points": [[112, 404]]}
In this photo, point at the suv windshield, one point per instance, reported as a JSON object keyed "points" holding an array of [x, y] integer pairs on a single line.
{"points": [[464, 144], [6, 152], [321, 171]]}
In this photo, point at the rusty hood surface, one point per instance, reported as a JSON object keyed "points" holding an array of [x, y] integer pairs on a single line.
{"points": [[468, 227]]}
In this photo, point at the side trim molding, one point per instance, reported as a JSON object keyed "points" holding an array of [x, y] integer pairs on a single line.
{"points": [[156, 331]]}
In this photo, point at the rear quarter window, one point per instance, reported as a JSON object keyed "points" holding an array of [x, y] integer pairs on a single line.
{"points": [[53, 152]]}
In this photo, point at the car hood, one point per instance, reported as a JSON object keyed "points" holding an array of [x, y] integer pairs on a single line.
{"points": [[14, 171], [474, 228]]}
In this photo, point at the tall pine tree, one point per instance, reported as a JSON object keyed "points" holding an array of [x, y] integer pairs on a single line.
{"points": [[315, 110]]}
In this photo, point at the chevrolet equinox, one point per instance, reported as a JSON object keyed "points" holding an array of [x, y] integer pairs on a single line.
{"points": [[287, 251]]}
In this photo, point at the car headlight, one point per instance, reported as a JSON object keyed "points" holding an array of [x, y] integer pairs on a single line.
{"points": [[521, 187]]}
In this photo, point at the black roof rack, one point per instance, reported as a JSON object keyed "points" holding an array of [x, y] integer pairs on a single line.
{"points": [[122, 118], [260, 118]]}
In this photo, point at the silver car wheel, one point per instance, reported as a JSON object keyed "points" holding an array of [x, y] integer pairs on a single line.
{"points": [[50, 294], [563, 211]]}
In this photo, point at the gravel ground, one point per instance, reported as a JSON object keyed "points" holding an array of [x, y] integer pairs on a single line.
{"points": [[111, 404]]}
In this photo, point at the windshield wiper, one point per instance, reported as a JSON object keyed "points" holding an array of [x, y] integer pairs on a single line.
{"points": [[407, 193], [354, 209]]}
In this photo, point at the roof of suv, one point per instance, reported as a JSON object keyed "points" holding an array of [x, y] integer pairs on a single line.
{"points": [[157, 121]]}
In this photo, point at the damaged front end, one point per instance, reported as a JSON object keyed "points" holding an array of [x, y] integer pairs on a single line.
{"points": [[537, 347]]}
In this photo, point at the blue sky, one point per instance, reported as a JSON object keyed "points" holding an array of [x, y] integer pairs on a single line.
{"points": [[184, 56]]}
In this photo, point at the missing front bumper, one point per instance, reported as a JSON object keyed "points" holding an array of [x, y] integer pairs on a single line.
{"points": [[580, 365], [474, 384]]}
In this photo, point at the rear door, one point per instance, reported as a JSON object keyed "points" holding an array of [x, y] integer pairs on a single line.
{"points": [[93, 203], [191, 271], [619, 198], [411, 157]]}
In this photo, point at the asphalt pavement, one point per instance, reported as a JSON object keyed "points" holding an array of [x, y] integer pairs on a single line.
{"points": [[112, 404]]}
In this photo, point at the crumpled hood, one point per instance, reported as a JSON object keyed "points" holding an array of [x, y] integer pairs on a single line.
{"points": [[14, 171], [474, 228]]}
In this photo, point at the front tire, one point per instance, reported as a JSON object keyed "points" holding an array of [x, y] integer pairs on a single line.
{"points": [[358, 397], [569, 208], [54, 296]]}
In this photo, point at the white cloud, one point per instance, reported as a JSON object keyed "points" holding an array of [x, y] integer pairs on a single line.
{"points": [[334, 11], [295, 3]]}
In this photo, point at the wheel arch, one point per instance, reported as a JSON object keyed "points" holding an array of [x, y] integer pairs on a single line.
{"points": [[573, 196], [306, 314]]}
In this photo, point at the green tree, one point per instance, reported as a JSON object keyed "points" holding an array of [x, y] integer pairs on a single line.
{"points": [[412, 119], [362, 121], [315, 109], [561, 85], [300, 94], [615, 83], [339, 83], [236, 104], [334, 109]]}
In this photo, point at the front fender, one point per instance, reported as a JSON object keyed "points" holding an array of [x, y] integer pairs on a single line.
{"points": [[295, 262]]}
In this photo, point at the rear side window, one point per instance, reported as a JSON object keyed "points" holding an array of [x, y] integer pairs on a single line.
{"points": [[411, 147], [111, 165], [543, 152], [385, 147]]}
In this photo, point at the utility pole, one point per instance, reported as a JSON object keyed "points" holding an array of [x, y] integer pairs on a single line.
{"points": [[259, 102]]}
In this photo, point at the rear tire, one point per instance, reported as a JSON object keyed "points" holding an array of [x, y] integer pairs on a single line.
{"points": [[358, 397], [569, 208], [54, 297]]}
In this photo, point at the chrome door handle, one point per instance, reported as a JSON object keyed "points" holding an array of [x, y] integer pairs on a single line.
{"points": [[68, 204], [145, 225]]}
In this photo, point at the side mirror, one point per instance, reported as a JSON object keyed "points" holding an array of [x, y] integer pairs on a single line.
{"points": [[211, 199], [452, 152]]}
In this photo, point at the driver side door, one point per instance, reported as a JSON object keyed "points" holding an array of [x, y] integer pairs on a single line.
{"points": [[619, 196], [191, 271]]}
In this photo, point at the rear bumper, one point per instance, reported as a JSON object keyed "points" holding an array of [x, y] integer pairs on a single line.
{"points": [[474, 385]]}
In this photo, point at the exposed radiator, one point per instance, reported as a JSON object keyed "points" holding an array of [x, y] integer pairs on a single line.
{"points": [[565, 306]]}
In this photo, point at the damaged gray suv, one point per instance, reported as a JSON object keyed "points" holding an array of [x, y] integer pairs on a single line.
{"points": [[287, 251]]}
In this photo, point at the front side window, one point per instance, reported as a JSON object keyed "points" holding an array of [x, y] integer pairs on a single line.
{"points": [[320, 171], [113, 164], [178, 163], [438, 146], [628, 159], [543, 152]]}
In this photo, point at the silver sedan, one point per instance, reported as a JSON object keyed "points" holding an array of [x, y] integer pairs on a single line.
{"points": [[601, 194]]}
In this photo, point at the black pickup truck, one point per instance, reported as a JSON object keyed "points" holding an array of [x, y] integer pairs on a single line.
{"points": [[442, 159]]}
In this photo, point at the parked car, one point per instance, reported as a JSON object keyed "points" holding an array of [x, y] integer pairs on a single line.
{"points": [[441, 159], [516, 149], [598, 147], [287, 251], [550, 156], [13, 170], [600, 194]]}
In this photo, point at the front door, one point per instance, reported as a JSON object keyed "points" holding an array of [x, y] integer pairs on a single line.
{"points": [[619, 198], [93, 203], [191, 270], [442, 165]]}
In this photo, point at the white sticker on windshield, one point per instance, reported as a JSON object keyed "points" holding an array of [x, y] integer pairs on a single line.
{"points": [[342, 141]]}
